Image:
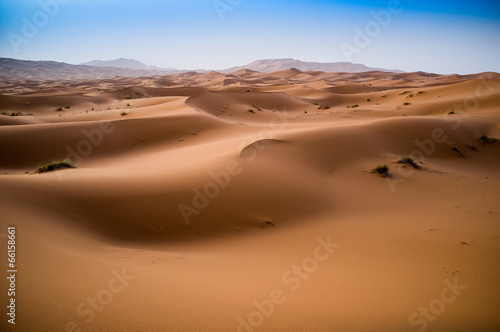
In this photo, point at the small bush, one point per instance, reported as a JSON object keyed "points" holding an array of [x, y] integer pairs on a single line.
{"points": [[55, 165], [409, 161], [67, 107], [251, 111], [59, 109], [457, 150], [123, 113], [487, 140], [382, 170], [16, 113], [406, 104], [368, 99]]}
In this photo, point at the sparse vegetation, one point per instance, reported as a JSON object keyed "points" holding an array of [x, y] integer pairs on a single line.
{"points": [[406, 104], [404, 92], [410, 95], [420, 92], [59, 109], [123, 113], [382, 170], [352, 106], [247, 90], [454, 148], [54, 165], [16, 113], [266, 224], [409, 161], [251, 111], [368, 99], [127, 97], [128, 104], [487, 140], [324, 107], [451, 112], [67, 107]]}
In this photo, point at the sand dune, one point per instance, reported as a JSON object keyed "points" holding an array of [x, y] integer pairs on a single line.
{"points": [[207, 202]]}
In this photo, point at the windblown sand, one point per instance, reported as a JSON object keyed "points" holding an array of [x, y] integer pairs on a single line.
{"points": [[247, 202]]}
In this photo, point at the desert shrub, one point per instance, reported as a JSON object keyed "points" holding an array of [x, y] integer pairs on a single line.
{"points": [[487, 140], [54, 165], [409, 161], [457, 150], [382, 170]]}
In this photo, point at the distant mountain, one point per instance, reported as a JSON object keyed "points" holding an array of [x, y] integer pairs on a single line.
{"points": [[12, 69], [271, 65], [118, 63]]}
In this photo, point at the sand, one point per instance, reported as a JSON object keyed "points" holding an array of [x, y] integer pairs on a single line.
{"points": [[248, 202]]}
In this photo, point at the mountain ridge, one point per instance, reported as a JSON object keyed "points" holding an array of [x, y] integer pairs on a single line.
{"points": [[14, 69]]}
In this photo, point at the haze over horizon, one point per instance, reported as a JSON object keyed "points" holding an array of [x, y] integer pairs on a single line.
{"points": [[459, 37]]}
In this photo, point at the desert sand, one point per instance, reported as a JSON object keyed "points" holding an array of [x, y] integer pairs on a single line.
{"points": [[248, 202]]}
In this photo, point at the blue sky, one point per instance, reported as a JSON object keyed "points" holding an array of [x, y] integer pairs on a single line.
{"points": [[434, 36]]}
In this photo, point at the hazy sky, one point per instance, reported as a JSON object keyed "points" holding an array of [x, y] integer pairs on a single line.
{"points": [[434, 36]]}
